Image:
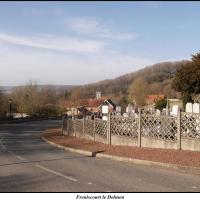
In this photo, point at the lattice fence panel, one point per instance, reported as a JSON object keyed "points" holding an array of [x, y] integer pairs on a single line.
{"points": [[159, 127], [124, 126], [190, 125], [89, 127], [71, 126], [101, 127], [78, 126]]}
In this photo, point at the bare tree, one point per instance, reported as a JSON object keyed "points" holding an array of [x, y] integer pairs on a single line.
{"points": [[137, 91]]}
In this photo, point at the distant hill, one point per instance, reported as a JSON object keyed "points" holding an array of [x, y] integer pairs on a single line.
{"points": [[157, 73], [8, 89]]}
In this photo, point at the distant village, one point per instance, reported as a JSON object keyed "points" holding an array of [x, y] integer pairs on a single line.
{"points": [[99, 107]]}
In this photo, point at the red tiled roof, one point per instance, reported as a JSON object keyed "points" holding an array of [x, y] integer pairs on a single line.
{"points": [[152, 98], [91, 102]]}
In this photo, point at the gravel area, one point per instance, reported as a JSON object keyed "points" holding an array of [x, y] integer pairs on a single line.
{"points": [[186, 158]]}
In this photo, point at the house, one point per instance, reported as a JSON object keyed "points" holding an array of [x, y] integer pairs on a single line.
{"points": [[111, 105], [92, 105]]}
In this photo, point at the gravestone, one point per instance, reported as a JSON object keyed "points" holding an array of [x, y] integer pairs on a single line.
{"points": [[105, 111], [129, 108], [105, 118], [196, 108], [125, 115], [118, 109], [174, 110], [189, 107], [158, 112]]}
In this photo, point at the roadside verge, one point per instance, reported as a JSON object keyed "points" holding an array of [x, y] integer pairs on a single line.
{"points": [[95, 149]]}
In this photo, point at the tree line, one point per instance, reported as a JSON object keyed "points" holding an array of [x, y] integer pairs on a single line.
{"points": [[33, 100]]}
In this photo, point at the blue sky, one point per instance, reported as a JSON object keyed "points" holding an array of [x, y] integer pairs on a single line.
{"points": [[83, 42]]}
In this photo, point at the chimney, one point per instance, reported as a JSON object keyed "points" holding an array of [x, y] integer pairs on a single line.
{"points": [[98, 95]]}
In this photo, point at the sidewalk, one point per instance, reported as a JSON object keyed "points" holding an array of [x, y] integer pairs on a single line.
{"points": [[184, 158]]}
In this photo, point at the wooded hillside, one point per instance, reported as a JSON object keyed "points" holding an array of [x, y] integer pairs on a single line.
{"points": [[158, 78]]}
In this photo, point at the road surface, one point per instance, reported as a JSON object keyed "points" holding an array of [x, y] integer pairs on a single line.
{"points": [[27, 164]]}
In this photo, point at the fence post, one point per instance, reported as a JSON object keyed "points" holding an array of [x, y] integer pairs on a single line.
{"points": [[68, 125], [83, 126], [74, 127], [63, 124], [108, 130], [179, 129], [139, 128], [94, 129]]}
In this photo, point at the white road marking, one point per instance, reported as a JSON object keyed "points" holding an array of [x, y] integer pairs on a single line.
{"points": [[21, 158], [56, 173], [2, 145], [194, 187]]}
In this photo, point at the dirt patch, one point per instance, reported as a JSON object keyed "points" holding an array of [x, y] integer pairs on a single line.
{"points": [[187, 158]]}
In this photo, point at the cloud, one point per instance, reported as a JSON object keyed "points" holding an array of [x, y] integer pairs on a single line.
{"points": [[84, 25], [96, 28], [68, 44], [20, 65]]}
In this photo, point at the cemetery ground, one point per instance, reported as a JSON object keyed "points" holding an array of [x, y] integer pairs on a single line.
{"points": [[168, 156]]}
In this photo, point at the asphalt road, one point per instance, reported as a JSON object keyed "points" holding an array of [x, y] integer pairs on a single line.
{"points": [[27, 164]]}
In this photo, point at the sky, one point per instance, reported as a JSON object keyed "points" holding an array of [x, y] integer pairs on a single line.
{"points": [[83, 42]]}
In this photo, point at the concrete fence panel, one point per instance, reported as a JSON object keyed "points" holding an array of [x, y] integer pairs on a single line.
{"points": [[181, 132]]}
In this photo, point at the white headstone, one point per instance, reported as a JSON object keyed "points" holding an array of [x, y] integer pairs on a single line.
{"points": [[125, 115], [174, 110], [105, 117], [118, 109], [105, 109], [189, 107], [196, 108], [129, 108], [158, 112]]}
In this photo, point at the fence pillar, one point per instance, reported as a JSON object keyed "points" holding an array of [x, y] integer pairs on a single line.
{"points": [[74, 127], [139, 128], [94, 129], [63, 124], [108, 130], [179, 129], [84, 126], [68, 125]]}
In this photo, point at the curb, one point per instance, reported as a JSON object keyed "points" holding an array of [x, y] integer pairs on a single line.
{"points": [[87, 153], [194, 170]]}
